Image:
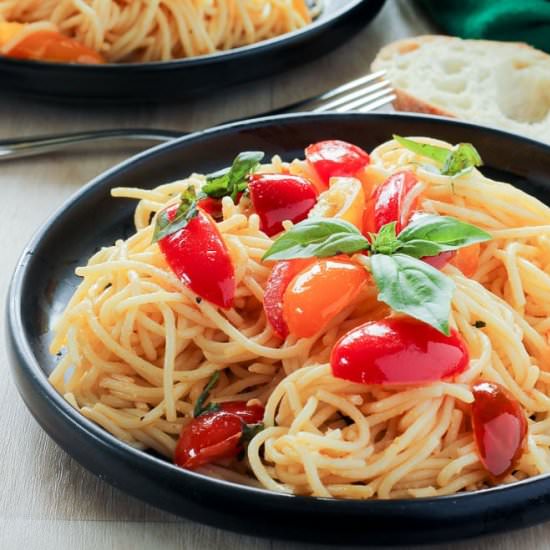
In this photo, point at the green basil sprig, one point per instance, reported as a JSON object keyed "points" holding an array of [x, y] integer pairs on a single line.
{"points": [[226, 183], [455, 162], [405, 283], [231, 182]]}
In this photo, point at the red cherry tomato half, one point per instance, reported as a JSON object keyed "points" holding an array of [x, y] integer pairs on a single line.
{"points": [[53, 46], [389, 203], [199, 258], [336, 158], [212, 206], [249, 414], [500, 428], [282, 273], [398, 350], [208, 438], [280, 197]]}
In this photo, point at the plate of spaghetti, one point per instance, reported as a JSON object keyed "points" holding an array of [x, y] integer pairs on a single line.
{"points": [[276, 325], [120, 50]]}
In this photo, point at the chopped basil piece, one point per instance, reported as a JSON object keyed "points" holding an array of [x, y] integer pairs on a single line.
{"points": [[167, 225], [454, 162], [199, 405]]}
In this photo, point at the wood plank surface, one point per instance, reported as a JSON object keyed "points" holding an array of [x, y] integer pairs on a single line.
{"points": [[47, 501]]}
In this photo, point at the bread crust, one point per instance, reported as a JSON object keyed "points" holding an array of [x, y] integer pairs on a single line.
{"points": [[407, 102]]}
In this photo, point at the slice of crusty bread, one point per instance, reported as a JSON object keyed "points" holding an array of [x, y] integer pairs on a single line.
{"points": [[501, 84]]}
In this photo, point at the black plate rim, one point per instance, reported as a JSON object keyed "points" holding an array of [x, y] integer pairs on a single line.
{"points": [[29, 369], [274, 43]]}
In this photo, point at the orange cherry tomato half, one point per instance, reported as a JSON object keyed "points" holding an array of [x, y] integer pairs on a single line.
{"points": [[53, 46], [500, 428], [199, 257], [282, 273], [398, 350], [336, 158], [344, 199], [320, 292], [280, 197], [390, 202]]}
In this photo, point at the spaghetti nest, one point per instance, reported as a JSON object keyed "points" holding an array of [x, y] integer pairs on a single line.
{"points": [[139, 347], [160, 30]]}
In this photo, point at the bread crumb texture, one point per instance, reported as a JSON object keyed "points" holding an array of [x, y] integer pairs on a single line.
{"points": [[500, 84]]}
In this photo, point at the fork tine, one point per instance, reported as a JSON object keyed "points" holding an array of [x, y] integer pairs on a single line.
{"points": [[358, 95], [376, 104], [351, 85], [362, 101]]}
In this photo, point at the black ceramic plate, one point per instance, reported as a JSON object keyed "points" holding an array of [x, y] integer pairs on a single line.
{"points": [[340, 20], [44, 280]]}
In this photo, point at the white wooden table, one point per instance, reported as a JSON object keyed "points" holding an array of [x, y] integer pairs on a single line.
{"points": [[47, 501]]}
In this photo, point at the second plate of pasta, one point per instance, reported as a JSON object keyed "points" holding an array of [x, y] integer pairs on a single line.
{"points": [[115, 50]]}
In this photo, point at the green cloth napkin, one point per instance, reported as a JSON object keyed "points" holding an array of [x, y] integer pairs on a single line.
{"points": [[514, 20]]}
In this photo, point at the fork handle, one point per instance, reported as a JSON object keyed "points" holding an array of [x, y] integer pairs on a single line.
{"points": [[26, 147]]}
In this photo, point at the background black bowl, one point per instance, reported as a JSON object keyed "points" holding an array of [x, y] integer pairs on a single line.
{"points": [[44, 280], [340, 20]]}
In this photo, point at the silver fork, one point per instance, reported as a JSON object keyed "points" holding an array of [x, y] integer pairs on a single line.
{"points": [[362, 95]]}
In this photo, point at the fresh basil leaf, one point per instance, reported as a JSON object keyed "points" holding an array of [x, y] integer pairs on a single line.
{"points": [[187, 209], [419, 248], [431, 234], [385, 241], [455, 162], [462, 160], [434, 152], [217, 186], [415, 288], [243, 165], [320, 237], [233, 181], [199, 404]]}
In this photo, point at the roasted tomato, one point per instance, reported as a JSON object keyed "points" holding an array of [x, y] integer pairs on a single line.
{"points": [[199, 257], [280, 197], [398, 350], [216, 435], [336, 158], [46, 45], [393, 201], [249, 414], [208, 438], [500, 428], [319, 292], [282, 273]]}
